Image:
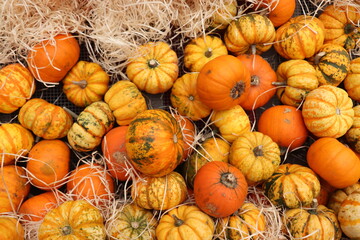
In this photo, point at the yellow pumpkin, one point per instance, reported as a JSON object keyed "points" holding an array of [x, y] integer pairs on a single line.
{"points": [[297, 78], [159, 193], [85, 83], [224, 14], [73, 220], [125, 101], [184, 223], [15, 139], [349, 215], [45, 119], [336, 198], [246, 223], [353, 134], [201, 50], [154, 68], [317, 223], [251, 33], [132, 222], [90, 126], [328, 111], [292, 186], [352, 80], [341, 25], [185, 99], [231, 123], [256, 155], [11, 228], [17, 86], [299, 38]]}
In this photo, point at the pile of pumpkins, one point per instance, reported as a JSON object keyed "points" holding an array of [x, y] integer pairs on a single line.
{"points": [[197, 179]]}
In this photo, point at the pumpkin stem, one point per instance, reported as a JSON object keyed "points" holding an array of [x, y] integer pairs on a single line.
{"points": [[135, 225], [253, 49], [74, 115], [255, 80], [338, 111], [191, 98], [314, 206], [208, 53], [349, 28], [66, 230], [318, 57], [258, 151], [178, 222], [82, 84], [281, 84], [152, 63], [229, 180], [237, 90]]}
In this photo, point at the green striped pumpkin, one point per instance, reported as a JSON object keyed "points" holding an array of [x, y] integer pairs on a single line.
{"points": [[292, 186], [154, 143], [332, 64], [90, 126]]}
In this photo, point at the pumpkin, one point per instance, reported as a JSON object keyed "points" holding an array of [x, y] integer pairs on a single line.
{"points": [[256, 155], [154, 143], [328, 111], [159, 193], [186, 100], [353, 134], [113, 149], [45, 119], [278, 11], [14, 188], [248, 222], [262, 76], [284, 125], [317, 223], [338, 196], [224, 15], [15, 140], [332, 64], [299, 38], [292, 186], [219, 189], [10, 228], [334, 162], [85, 83], [90, 181], [188, 129], [340, 25], [17, 86], [348, 215], [90, 127], [132, 222], [35, 208], [352, 82], [50, 60], [201, 50], [296, 79], [231, 123], [251, 33], [48, 164], [154, 68], [125, 101], [185, 222], [212, 149], [73, 220], [223, 83]]}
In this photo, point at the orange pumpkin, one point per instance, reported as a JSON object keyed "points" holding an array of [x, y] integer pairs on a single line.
{"points": [[90, 181], [285, 125], [279, 11], [219, 189], [334, 162], [14, 188], [35, 208], [262, 76], [50, 60], [17, 86], [10, 228], [113, 148], [155, 143], [352, 80], [48, 164], [223, 83], [188, 131]]}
